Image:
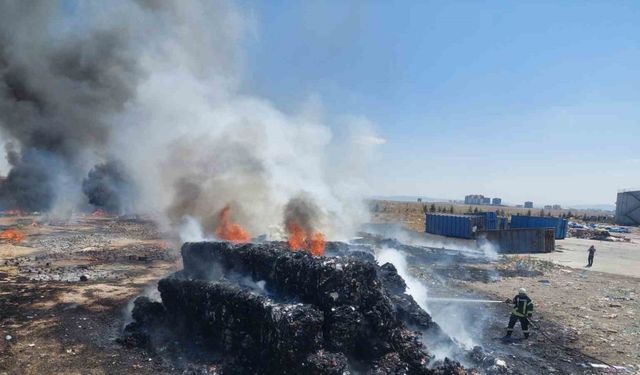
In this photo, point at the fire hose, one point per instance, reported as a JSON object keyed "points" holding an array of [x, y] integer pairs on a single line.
{"points": [[536, 326], [562, 346]]}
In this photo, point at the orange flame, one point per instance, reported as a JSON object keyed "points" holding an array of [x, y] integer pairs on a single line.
{"points": [[12, 235], [99, 212], [296, 236], [299, 239], [228, 230]]}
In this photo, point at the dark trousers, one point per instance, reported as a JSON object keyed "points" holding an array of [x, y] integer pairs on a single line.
{"points": [[590, 261], [524, 324]]}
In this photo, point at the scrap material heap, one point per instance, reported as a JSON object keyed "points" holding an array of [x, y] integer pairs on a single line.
{"points": [[269, 310]]}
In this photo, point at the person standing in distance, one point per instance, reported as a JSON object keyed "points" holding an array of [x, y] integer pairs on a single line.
{"points": [[592, 253]]}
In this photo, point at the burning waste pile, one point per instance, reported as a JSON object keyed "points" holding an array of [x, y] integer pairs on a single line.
{"points": [[267, 309]]}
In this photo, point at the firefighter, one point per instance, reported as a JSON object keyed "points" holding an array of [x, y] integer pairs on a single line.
{"points": [[522, 311]]}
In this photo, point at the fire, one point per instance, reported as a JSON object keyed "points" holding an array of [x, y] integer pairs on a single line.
{"points": [[99, 212], [12, 235], [296, 237], [228, 230], [299, 239], [316, 244]]}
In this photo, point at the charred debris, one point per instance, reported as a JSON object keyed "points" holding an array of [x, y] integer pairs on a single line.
{"points": [[265, 309]]}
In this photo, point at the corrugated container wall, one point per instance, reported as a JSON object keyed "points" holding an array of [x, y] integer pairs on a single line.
{"points": [[522, 240], [503, 223], [559, 224], [490, 220], [628, 208], [453, 225]]}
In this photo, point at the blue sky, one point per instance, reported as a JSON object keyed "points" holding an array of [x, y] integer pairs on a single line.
{"points": [[522, 100]]}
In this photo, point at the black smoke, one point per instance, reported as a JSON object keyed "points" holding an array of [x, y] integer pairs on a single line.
{"points": [[57, 93], [28, 184], [109, 187], [302, 211]]}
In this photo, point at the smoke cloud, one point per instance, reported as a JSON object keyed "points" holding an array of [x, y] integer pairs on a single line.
{"points": [[108, 186], [159, 87], [56, 92], [302, 212]]}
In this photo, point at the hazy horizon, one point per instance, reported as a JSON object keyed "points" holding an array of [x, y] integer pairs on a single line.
{"points": [[536, 205]]}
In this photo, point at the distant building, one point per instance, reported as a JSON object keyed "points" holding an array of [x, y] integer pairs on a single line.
{"points": [[496, 201], [548, 207], [486, 200], [528, 204], [474, 199], [628, 208], [557, 207]]}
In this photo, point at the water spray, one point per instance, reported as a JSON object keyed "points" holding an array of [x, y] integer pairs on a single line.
{"points": [[462, 300]]}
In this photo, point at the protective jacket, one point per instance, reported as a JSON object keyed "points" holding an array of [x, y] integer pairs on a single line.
{"points": [[522, 306]]}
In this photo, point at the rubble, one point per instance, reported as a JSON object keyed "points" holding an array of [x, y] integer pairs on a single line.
{"points": [[596, 234], [274, 311]]}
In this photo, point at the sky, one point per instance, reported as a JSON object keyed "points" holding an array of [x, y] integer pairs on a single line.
{"points": [[520, 100], [523, 100]]}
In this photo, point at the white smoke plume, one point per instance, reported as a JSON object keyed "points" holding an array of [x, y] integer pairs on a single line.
{"points": [[415, 288], [158, 87], [454, 319]]}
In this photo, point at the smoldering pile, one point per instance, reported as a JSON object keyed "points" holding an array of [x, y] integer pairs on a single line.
{"points": [[268, 310]]}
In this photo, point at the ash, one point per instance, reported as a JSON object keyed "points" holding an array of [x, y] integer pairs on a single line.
{"points": [[339, 314]]}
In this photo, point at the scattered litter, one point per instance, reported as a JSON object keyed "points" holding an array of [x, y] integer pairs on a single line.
{"points": [[8, 337], [598, 365]]}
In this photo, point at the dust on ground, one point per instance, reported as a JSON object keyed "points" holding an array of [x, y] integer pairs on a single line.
{"points": [[65, 290]]}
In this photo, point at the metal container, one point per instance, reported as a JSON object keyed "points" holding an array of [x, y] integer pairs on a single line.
{"points": [[461, 226], [558, 224], [502, 223], [490, 220], [628, 208], [521, 240]]}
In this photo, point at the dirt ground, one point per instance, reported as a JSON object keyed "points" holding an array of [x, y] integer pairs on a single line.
{"points": [[597, 311], [594, 311], [51, 321]]}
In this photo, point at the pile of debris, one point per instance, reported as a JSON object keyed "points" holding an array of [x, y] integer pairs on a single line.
{"points": [[269, 310], [596, 234]]}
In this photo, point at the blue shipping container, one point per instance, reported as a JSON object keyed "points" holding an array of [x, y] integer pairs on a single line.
{"points": [[489, 220], [559, 224], [503, 223], [460, 226]]}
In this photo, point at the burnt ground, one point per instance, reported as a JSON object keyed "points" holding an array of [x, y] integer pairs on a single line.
{"points": [[581, 314], [575, 324], [51, 321], [60, 324]]}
